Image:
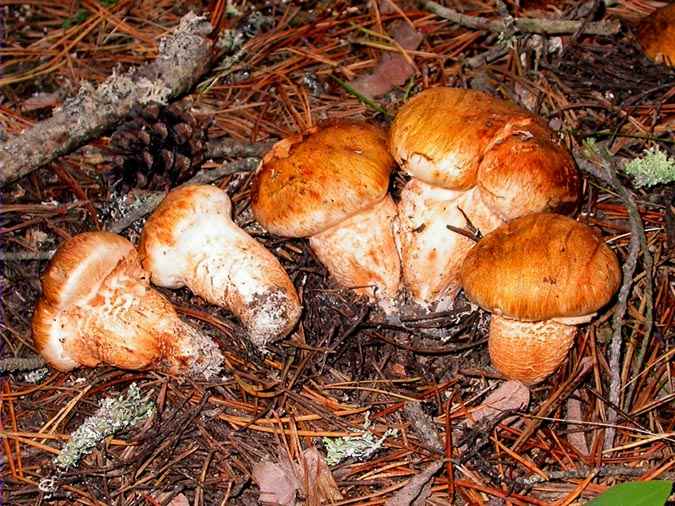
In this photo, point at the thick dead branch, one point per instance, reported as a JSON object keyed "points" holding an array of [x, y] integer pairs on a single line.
{"points": [[184, 56], [524, 25]]}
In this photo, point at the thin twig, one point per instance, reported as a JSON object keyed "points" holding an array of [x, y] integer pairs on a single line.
{"points": [[147, 201], [523, 25], [232, 148], [597, 162], [11, 364]]}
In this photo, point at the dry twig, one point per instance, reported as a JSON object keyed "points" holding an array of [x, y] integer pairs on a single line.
{"points": [[598, 163], [524, 25]]}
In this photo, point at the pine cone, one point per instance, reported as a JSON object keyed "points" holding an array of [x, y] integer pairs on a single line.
{"points": [[159, 146]]}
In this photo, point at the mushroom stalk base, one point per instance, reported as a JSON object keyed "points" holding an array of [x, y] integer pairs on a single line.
{"points": [[361, 253], [528, 351], [238, 273]]}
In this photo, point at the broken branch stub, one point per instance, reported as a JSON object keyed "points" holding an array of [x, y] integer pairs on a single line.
{"points": [[184, 56]]}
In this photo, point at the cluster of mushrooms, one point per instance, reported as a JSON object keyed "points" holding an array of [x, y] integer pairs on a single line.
{"points": [[478, 165]]}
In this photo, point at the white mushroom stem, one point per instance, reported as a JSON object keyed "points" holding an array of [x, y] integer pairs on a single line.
{"points": [[127, 324], [431, 252], [360, 253], [528, 351], [227, 267], [192, 241]]}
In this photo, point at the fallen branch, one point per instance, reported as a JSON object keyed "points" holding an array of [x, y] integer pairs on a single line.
{"points": [[523, 25], [231, 148], [598, 163], [184, 56], [11, 364], [143, 202]]}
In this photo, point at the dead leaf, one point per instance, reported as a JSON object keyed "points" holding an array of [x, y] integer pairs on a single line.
{"points": [[393, 69], [576, 439], [418, 489], [277, 482], [280, 482], [510, 395], [178, 500], [318, 481]]}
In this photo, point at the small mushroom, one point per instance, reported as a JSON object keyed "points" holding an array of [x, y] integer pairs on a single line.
{"points": [[656, 34], [475, 160], [330, 184], [190, 240], [97, 308], [539, 275]]}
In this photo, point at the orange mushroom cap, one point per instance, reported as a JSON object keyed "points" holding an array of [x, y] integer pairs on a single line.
{"points": [[310, 182], [540, 267]]}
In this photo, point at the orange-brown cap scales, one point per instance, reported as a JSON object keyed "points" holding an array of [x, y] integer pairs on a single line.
{"points": [[493, 159], [539, 275], [98, 308], [310, 182], [190, 240], [330, 184], [656, 34]]}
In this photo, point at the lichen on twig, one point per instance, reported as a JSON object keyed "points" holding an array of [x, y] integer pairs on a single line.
{"points": [[115, 415], [523, 25], [184, 56], [358, 447]]}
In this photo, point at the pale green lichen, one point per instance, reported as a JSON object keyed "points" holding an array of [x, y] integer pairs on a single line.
{"points": [[359, 447], [115, 415], [654, 167]]}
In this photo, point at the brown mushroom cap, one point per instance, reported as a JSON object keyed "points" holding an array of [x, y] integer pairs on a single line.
{"points": [[539, 267], [456, 138], [656, 34], [310, 182]]}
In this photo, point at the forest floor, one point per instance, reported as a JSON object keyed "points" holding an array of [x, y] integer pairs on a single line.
{"points": [[405, 396]]}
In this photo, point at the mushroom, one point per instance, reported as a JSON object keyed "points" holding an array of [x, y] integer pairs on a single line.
{"points": [[97, 308], [656, 34], [330, 184], [475, 160], [539, 276], [190, 240]]}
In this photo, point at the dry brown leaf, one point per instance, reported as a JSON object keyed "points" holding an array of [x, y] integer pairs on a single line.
{"points": [[576, 439], [280, 482], [317, 479], [178, 500], [510, 395], [277, 483], [417, 490], [393, 69]]}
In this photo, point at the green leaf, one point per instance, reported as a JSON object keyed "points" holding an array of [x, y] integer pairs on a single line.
{"points": [[637, 493]]}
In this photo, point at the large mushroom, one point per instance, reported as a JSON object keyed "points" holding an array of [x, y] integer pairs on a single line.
{"points": [[330, 184], [97, 308], [475, 160], [539, 275], [190, 240]]}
